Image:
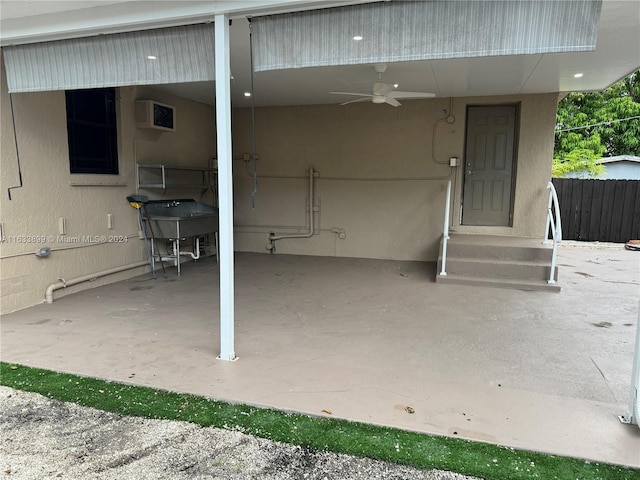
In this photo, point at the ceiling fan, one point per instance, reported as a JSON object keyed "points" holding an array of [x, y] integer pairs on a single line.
{"points": [[383, 92]]}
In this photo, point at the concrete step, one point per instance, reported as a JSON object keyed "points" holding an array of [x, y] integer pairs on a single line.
{"points": [[539, 285], [502, 248], [497, 261], [499, 268]]}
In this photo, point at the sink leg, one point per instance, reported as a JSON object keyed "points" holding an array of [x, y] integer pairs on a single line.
{"points": [[153, 257], [177, 254]]}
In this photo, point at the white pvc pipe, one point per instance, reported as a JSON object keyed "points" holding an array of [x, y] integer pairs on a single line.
{"points": [[85, 278], [309, 234], [195, 256], [445, 230]]}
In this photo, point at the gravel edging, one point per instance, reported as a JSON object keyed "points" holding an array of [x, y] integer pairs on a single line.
{"points": [[45, 438]]}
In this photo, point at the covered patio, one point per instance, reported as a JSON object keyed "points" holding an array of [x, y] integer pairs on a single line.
{"points": [[363, 339]]}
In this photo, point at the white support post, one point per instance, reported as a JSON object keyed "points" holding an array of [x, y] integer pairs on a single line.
{"points": [[225, 187], [633, 414]]}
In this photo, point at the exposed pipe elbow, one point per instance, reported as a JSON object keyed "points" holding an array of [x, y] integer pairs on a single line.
{"points": [[61, 283], [273, 237], [196, 255], [48, 294]]}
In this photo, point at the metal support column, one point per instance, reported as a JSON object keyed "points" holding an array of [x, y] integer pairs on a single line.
{"points": [[225, 187], [633, 414]]}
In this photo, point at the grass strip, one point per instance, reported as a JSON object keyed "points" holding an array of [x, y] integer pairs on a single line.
{"points": [[419, 450]]}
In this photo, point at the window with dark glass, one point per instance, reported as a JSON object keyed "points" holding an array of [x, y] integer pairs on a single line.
{"points": [[92, 132]]}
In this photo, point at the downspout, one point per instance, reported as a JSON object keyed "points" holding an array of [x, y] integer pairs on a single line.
{"points": [[273, 237], [61, 283]]}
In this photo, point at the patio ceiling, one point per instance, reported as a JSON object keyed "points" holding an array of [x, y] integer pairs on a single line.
{"points": [[617, 53], [616, 56]]}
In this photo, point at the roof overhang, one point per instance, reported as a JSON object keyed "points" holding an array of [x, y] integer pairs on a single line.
{"points": [[616, 55]]}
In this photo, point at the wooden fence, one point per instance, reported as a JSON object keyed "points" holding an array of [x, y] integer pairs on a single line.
{"points": [[599, 210]]}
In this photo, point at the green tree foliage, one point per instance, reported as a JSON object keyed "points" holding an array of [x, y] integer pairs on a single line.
{"points": [[590, 125], [577, 160]]}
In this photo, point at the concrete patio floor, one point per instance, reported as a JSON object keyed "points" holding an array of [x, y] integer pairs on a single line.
{"points": [[363, 339]]}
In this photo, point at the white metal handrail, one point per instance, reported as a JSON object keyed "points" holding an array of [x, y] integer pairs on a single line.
{"points": [[554, 225], [445, 230]]}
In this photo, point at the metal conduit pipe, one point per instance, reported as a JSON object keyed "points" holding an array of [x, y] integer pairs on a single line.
{"points": [[61, 283], [273, 237]]}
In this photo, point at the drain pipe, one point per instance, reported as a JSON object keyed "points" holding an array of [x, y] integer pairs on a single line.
{"points": [[273, 237], [196, 247], [62, 283]]}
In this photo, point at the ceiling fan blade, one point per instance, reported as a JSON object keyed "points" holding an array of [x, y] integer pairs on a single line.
{"points": [[357, 100], [395, 94], [392, 101], [381, 88], [353, 94]]}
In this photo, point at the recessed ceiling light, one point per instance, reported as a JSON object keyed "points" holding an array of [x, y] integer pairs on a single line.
{"points": [[578, 75], [357, 38], [247, 94], [395, 85], [152, 57]]}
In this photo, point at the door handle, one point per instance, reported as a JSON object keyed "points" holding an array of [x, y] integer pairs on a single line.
{"points": [[469, 172]]}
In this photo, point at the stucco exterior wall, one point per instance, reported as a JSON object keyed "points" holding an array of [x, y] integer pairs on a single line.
{"points": [[192, 144], [31, 218], [382, 175]]}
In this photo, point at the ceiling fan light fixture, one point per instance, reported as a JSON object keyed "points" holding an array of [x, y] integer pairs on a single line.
{"points": [[383, 92], [380, 68]]}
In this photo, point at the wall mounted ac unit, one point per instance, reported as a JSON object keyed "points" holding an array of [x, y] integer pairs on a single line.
{"points": [[151, 114]]}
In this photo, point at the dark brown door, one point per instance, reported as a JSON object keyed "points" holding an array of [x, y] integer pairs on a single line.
{"points": [[489, 165]]}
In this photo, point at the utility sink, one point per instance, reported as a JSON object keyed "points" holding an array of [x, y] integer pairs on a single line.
{"points": [[179, 218]]}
